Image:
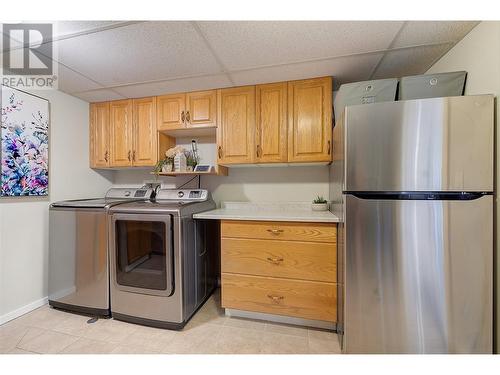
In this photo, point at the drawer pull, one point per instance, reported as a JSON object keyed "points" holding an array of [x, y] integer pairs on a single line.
{"points": [[275, 231], [275, 299], [275, 260]]}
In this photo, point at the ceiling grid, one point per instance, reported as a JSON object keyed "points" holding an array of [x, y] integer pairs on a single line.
{"points": [[107, 60]]}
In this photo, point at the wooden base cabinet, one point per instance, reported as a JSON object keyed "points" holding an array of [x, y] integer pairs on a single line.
{"points": [[283, 268], [272, 295]]}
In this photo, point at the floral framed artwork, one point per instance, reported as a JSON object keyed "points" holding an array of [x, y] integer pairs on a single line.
{"points": [[24, 152]]}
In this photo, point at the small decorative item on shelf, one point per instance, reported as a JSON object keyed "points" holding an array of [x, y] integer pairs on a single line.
{"points": [[180, 162], [167, 167], [191, 161], [319, 204]]}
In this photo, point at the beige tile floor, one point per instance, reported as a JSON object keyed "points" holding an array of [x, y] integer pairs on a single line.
{"points": [[47, 330]]}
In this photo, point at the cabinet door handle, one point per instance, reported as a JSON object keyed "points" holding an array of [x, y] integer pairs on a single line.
{"points": [[188, 117], [133, 155], [106, 156], [129, 155], [275, 299], [328, 146], [259, 151], [275, 260], [183, 117], [275, 231], [220, 152]]}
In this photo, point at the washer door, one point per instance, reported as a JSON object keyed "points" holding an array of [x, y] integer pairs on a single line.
{"points": [[142, 253]]}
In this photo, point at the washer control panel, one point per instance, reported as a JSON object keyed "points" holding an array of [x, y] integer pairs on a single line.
{"points": [[183, 195]]}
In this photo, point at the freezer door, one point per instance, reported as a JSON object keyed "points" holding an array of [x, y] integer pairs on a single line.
{"points": [[418, 276], [438, 144]]}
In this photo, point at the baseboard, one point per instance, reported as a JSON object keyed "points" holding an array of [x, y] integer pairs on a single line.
{"points": [[23, 310], [281, 319]]}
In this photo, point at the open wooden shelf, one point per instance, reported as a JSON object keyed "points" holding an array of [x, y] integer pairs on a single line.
{"points": [[219, 171], [185, 132]]}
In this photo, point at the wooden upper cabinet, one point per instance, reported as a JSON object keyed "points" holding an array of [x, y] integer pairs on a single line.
{"points": [[236, 125], [271, 122], [171, 111], [99, 135], [145, 150], [201, 109], [310, 120], [120, 118]]}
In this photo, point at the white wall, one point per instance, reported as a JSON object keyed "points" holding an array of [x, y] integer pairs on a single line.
{"points": [[24, 221], [479, 54], [254, 184]]}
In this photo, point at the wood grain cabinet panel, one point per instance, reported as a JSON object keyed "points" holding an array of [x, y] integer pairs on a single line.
{"points": [[287, 259], [275, 230], [171, 112], [236, 125], [297, 298], [310, 120], [120, 119], [271, 123], [99, 135], [201, 109], [145, 151]]}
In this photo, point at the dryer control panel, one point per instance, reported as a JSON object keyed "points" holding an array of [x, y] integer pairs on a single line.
{"points": [[183, 195]]}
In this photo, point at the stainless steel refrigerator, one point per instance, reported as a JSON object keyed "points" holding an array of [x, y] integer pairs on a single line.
{"points": [[413, 183]]}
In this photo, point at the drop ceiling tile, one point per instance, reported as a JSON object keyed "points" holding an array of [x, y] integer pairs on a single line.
{"points": [[178, 85], [139, 52], [98, 95], [72, 27], [70, 81], [343, 70], [250, 44], [428, 32], [409, 61]]}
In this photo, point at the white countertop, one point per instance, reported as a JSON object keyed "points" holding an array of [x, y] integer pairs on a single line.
{"points": [[268, 211]]}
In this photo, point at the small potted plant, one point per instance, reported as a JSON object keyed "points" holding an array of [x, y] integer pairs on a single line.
{"points": [[159, 166], [319, 204], [191, 161]]}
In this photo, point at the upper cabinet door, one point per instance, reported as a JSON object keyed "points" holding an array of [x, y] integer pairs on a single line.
{"points": [[99, 135], [310, 120], [201, 109], [271, 120], [171, 111], [236, 128], [121, 133], [145, 152]]}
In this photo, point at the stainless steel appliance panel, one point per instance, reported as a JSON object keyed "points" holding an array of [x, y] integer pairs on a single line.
{"points": [[148, 304], [438, 144], [78, 258], [418, 276], [141, 247]]}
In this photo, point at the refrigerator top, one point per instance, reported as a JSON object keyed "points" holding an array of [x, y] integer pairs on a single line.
{"points": [[426, 145]]}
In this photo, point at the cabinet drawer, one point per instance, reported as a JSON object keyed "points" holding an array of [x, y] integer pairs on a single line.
{"points": [[279, 230], [288, 259], [302, 299]]}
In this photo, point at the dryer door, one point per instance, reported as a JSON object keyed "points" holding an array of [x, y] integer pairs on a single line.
{"points": [[142, 253]]}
